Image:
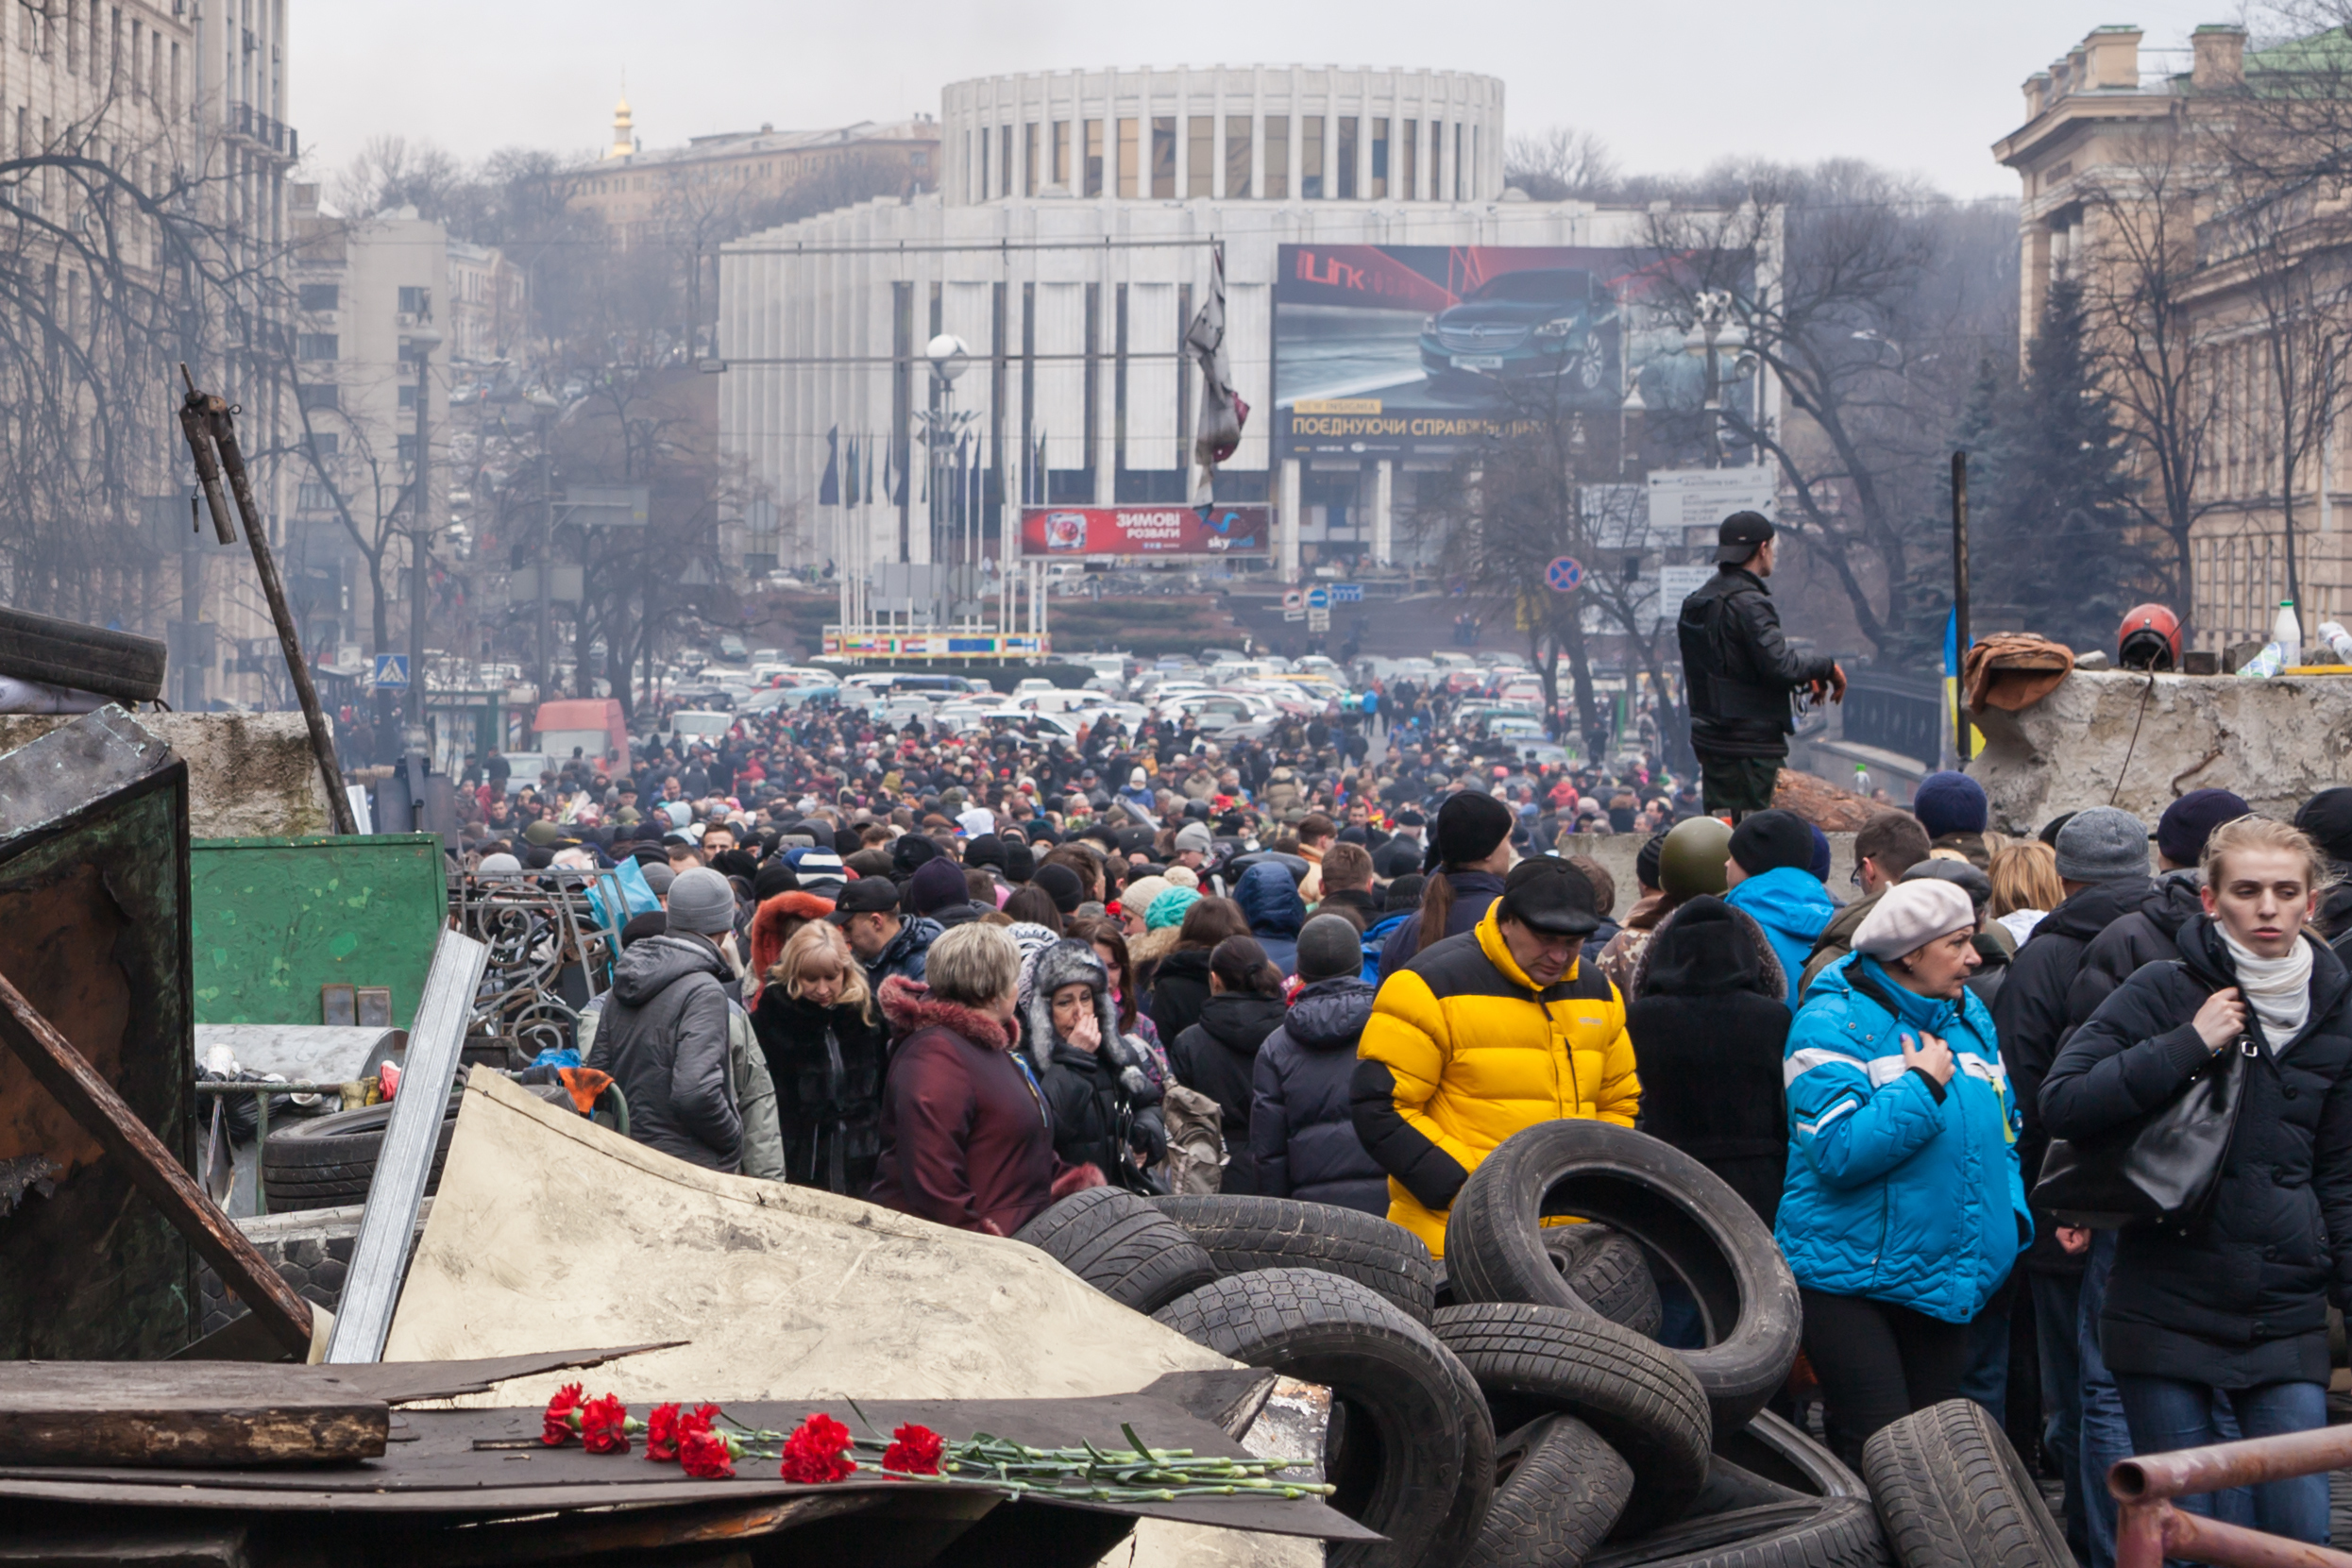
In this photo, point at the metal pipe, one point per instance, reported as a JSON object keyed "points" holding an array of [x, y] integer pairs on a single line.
{"points": [[1959, 604], [2149, 1533], [2149, 1530]]}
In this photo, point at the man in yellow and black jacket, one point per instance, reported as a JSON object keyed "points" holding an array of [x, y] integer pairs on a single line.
{"points": [[1484, 1034]]}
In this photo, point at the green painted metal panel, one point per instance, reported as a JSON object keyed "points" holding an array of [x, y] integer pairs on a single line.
{"points": [[276, 918]]}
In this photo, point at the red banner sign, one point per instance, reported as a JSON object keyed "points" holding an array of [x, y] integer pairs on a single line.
{"points": [[1075, 532]]}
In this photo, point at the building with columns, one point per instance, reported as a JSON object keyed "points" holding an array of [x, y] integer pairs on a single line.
{"points": [[1068, 245]]}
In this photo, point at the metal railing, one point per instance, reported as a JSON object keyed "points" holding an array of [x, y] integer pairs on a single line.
{"points": [[538, 925], [2150, 1529], [279, 137]]}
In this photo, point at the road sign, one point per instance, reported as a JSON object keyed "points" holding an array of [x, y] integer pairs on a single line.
{"points": [[1293, 604], [1318, 598], [1348, 593], [1675, 584], [1564, 575], [1701, 498], [392, 672], [1318, 621]]}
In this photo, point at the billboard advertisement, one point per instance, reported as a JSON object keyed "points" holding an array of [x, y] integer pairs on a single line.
{"points": [[1158, 533], [1423, 350]]}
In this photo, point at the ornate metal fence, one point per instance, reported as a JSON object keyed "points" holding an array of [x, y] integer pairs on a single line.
{"points": [[553, 938]]}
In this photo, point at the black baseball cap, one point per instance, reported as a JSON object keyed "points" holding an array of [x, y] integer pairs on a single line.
{"points": [[866, 896], [1737, 536], [1550, 895]]}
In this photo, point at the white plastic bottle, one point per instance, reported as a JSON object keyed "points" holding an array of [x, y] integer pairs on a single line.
{"points": [[2333, 634], [2287, 631]]}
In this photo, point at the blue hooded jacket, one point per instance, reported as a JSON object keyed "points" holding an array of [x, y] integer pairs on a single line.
{"points": [[1898, 1189], [1793, 907], [1269, 902]]}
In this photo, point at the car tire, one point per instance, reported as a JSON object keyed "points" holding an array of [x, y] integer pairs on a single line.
{"points": [[1782, 1452], [1609, 1274], [1531, 1360], [1396, 1450], [328, 1161], [1558, 1490], [1121, 1245], [121, 665], [1839, 1532], [1458, 1533], [1951, 1491], [1241, 1234], [1679, 1211]]}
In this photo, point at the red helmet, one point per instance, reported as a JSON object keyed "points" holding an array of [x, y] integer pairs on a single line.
{"points": [[2149, 639]]}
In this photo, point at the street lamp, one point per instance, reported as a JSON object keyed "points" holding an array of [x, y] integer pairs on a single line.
{"points": [[421, 343], [941, 424], [1715, 329]]}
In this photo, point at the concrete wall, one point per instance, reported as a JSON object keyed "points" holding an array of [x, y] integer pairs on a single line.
{"points": [[2141, 742], [249, 775]]}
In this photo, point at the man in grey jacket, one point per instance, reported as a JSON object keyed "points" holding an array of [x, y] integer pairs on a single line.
{"points": [[664, 1034]]}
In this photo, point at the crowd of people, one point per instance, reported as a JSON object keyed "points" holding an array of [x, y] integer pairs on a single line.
{"points": [[966, 976]]}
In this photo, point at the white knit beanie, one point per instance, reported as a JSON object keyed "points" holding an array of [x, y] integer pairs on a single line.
{"points": [[1910, 915]]}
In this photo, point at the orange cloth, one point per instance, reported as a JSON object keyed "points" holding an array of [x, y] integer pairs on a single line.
{"points": [[584, 1084]]}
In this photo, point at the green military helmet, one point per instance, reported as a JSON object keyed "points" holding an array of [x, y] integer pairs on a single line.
{"points": [[1690, 862]]}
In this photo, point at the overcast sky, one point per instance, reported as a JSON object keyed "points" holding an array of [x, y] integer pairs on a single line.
{"points": [[1669, 84]]}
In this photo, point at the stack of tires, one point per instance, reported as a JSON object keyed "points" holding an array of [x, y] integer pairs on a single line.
{"points": [[1512, 1409]]}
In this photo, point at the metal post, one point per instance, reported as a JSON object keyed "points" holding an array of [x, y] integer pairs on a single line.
{"points": [[1959, 604], [547, 552], [421, 530]]}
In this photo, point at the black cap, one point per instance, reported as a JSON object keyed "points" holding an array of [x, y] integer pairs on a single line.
{"points": [[1737, 536], [1550, 895], [866, 896], [1768, 840]]}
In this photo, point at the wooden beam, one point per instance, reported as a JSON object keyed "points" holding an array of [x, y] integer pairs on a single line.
{"points": [[91, 1102], [171, 1413]]}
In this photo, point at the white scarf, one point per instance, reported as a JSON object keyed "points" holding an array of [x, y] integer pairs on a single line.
{"points": [[2278, 990]]}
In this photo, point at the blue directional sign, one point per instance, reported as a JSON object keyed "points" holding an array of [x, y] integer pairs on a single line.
{"points": [[1318, 598], [1348, 593], [392, 672], [1564, 575]]}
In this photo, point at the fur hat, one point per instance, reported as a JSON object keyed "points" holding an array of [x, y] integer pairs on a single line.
{"points": [[1071, 962]]}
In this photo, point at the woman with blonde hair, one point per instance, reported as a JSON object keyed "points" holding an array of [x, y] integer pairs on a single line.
{"points": [[2026, 886], [2225, 1301], [822, 1036]]}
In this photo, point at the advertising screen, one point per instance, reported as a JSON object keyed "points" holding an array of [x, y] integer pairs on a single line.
{"points": [[1421, 350], [1074, 533]]}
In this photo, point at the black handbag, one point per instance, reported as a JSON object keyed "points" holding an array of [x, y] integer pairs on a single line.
{"points": [[2158, 1168]]}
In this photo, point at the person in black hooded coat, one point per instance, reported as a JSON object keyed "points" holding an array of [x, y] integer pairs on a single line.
{"points": [[1218, 1056], [2233, 1306], [1181, 984], [1103, 1102], [1302, 1132], [1709, 1029]]}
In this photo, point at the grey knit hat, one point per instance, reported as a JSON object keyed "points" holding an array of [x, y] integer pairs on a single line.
{"points": [[700, 901], [2103, 844], [1329, 948], [658, 877]]}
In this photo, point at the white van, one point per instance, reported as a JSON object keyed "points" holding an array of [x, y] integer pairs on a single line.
{"points": [[695, 727]]}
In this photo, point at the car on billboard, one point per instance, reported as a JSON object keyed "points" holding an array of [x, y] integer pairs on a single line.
{"points": [[1518, 326]]}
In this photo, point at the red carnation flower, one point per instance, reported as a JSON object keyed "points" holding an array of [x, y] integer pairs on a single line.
{"points": [[605, 1425], [697, 1420], [704, 1456], [816, 1451], [560, 1422], [914, 1451], [661, 1434]]}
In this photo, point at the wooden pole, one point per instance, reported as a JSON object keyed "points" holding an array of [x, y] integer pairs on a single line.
{"points": [[1959, 604], [91, 1102], [203, 416]]}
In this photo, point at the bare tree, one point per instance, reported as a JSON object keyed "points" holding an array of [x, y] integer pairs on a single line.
{"points": [[1560, 164]]}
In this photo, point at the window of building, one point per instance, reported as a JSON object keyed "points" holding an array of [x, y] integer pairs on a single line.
{"points": [[1348, 131], [1275, 184], [1237, 155], [415, 301], [1437, 161], [968, 169], [315, 497], [405, 448], [1061, 154], [1090, 171], [406, 402], [1163, 156], [320, 296], [315, 397], [1131, 171], [1310, 157], [1005, 160], [326, 442], [316, 345], [1028, 158], [1380, 157], [1200, 156], [1408, 160]]}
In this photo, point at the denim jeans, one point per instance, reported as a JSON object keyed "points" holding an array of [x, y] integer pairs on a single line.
{"points": [[2102, 1439], [1984, 1378], [2057, 1335], [2166, 1414]]}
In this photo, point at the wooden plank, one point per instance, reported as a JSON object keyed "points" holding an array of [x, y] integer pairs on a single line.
{"points": [[154, 1414], [94, 1105], [560, 1540], [405, 1382]]}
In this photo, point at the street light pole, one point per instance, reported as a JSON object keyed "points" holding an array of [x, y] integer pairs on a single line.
{"points": [[421, 343]]}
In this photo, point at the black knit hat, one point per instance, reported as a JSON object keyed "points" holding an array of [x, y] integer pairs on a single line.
{"points": [[1469, 827], [1770, 840]]}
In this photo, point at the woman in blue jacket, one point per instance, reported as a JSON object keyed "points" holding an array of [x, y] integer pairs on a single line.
{"points": [[1904, 1208]]}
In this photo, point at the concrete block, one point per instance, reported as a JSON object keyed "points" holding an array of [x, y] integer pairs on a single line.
{"points": [[2141, 742], [1616, 853], [249, 775]]}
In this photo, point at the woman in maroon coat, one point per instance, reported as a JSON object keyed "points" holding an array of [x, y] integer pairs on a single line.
{"points": [[967, 1139]]}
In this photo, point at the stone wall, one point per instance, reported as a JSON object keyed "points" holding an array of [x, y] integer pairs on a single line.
{"points": [[1615, 852], [249, 775], [2275, 742]]}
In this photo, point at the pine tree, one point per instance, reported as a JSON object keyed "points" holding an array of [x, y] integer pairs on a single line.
{"points": [[2055, 552]]}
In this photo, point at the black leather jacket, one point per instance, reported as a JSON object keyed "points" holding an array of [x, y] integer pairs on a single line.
{"points": [[1739, 668]]}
